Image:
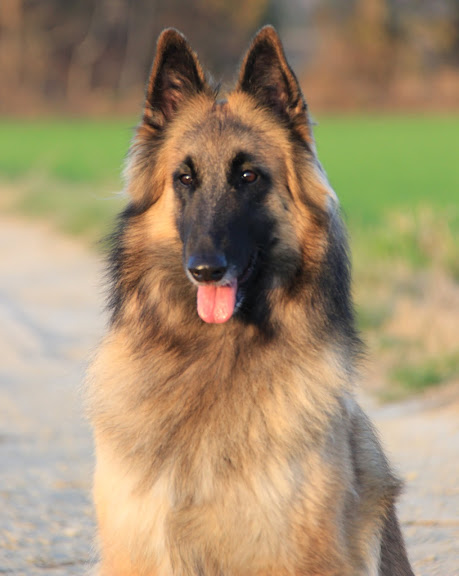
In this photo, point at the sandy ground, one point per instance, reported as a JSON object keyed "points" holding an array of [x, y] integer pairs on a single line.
{"points": [[50, 301]]}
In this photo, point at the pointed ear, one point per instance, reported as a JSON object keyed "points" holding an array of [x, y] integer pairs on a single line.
{"points": [[175, 76], [266, 75]]}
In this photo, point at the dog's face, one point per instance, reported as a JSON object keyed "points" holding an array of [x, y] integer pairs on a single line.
{"points": [[238, 205], [221, 184], [225, 178]]}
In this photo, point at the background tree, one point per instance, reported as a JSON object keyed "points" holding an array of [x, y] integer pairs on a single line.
{"points": [[92, 56]]}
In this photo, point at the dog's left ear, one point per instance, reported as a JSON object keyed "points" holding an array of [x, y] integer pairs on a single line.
{"points": [[266, 75]]}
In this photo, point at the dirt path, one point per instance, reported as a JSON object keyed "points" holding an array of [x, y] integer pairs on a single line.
{"points": [[49, 319]]}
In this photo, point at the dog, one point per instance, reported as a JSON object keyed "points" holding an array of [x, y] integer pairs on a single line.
{"points": [[227, 436]]}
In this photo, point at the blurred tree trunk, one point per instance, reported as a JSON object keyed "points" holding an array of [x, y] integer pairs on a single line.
{"points": [[373, 40], [11, 37], [86, 54], [137, 44], [455, 44]]}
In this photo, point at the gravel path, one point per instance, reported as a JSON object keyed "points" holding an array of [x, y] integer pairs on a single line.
{"points": [[49, 322]]}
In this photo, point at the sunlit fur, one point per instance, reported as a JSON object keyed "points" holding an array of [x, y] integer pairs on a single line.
{"points": [[234, 449]]}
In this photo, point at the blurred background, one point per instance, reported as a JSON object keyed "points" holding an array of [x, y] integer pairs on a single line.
{"points": [[381, 78], [92, 56], [382, 81]]}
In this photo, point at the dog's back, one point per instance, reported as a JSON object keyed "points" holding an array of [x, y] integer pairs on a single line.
{"points": [[228, 440]]}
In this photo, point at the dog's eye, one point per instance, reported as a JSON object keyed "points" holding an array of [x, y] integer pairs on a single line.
{"points": [[186, 179], [248, 176]]}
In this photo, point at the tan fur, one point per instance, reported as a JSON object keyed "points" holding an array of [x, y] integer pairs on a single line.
{"points": [[223, 450]]}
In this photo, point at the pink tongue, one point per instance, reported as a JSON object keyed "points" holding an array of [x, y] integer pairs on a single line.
{"points": [[216, 303]]}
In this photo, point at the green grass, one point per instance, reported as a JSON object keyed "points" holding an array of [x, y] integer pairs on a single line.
{"points": [[72, 151], [381, 164], [397, 179], [79, 210], [410, 378], [372, 317], [377, 165], [66, 171]]}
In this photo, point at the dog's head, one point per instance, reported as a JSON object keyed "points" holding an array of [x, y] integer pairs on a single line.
{"points": [[234, 185]]}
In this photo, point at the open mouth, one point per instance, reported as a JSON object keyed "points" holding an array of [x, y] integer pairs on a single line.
{"points": [[249, 268], [216, 304], [243, 278]]}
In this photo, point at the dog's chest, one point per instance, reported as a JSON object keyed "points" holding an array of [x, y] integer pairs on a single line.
{"points": [[210, 519]]}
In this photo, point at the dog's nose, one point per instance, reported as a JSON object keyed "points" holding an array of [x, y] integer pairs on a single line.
{"points": [[207, 269]]}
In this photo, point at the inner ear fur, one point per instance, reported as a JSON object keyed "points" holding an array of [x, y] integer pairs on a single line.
{"points": [[175, 76], [266, 75]]}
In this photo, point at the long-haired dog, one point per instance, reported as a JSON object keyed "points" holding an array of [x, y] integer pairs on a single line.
{"points": [[228, 439]]}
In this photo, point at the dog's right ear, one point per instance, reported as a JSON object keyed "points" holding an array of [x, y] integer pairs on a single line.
{"points": [[175, 76]]}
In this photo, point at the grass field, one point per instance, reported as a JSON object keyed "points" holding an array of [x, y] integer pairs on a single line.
{"points": [[397, 178], [376, 164]]}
